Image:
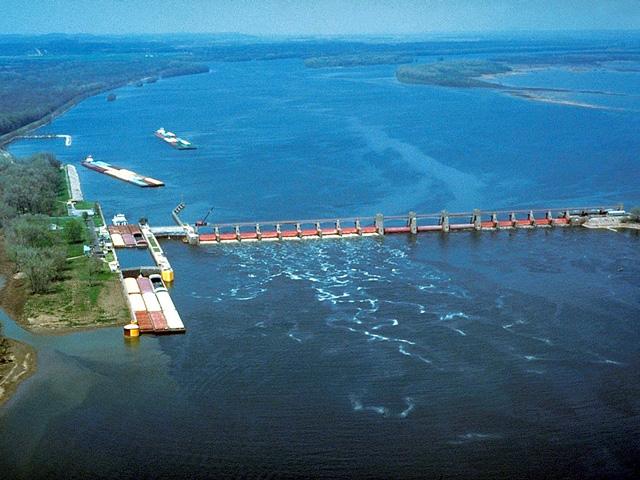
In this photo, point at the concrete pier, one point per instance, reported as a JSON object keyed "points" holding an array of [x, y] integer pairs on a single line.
{"points": [[75, 191], [158, 254], [68, 139]]}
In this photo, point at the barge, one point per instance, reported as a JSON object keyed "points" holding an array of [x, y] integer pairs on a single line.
{"points": [[127, 236], [173, 140], [152, 307], [121, 173]]}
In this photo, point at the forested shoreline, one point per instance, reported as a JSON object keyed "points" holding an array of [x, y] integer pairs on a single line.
{"points": [[33, 88], [41, 76], [28, 191]]}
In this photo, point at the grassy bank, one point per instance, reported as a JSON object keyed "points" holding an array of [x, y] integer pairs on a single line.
{"points": [[81, 297], [84, 293], [79, 300], [81, 293]]}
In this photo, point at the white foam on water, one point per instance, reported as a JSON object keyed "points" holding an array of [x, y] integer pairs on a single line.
{"points": [[292, 336], [543, 340], [531, 358], [452, 315], [358, 406], [324, 295], [378, 410], [410, 406], [612, 362], [403, 351], [338, 280], [355, 403], [382, 338], [339, 323], [394, 252], [250, 297], [375, 336], [392, 322], [460, 332]]}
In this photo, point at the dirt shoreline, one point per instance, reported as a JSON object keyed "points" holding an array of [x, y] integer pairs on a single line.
{"points": [[23, 357], [13, 296], [22, 364]]}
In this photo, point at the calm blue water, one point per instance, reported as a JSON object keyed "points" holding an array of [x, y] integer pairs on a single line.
{"points": [[496, 355]]}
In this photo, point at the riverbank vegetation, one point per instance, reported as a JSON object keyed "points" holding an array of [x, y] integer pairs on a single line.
{"points": [[33, 88], [357, 60], [41, 76], [51, 283], [461, 74]]}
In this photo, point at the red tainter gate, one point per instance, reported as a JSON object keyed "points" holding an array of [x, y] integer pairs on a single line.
{"points": [[408, 224]]}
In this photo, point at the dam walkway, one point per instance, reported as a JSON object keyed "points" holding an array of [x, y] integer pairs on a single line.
{"points": [[380, 225]]}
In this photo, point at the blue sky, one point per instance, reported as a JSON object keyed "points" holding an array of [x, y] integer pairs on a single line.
{"points": [[308, 17]]}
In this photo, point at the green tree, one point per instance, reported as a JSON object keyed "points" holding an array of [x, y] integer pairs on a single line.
{"points": [[39, 267], [74, 231], [94, 268], [31, 231]]}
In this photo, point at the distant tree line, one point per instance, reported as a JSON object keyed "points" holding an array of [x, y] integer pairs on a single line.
{"points": [[39, 74], [32, 88]]}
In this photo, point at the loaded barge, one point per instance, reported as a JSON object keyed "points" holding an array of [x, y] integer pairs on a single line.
{"points": [[173, 140], [151, 306], [121, 173]]}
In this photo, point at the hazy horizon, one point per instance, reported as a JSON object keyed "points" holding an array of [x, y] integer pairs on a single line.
{"points": [[327, 18]]}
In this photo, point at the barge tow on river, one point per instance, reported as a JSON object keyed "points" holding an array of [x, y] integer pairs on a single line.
{"points": [[121, 173], [173, 140]]}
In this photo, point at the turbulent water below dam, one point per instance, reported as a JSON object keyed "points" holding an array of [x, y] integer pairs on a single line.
{"points": [[497, 354]]}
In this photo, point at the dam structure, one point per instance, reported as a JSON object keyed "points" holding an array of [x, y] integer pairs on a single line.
{"points": [[379, 225], [151, 307]]}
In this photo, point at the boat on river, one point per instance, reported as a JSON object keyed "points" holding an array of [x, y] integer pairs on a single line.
{"points": [[121, 173], [173, 140]]}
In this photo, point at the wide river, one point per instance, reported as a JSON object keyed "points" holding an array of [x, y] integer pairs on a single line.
{"points": [[503, 354]]}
